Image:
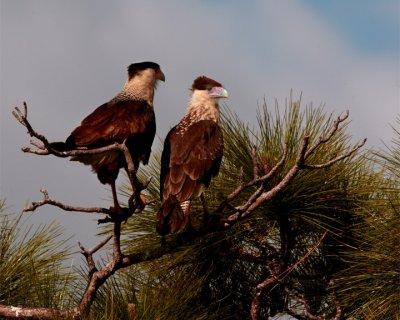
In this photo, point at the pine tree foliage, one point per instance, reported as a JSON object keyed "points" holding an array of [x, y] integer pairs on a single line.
{"points": [[325, 248], [371, 283], [32, 264], [216, 276]]}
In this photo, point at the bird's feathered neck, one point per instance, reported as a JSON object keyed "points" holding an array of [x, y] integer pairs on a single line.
{"points": [[140, 88], [202, 107]]}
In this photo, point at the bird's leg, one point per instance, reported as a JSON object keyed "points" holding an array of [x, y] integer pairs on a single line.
{"points": [[117, 207], [206, 215], [137, 187]]}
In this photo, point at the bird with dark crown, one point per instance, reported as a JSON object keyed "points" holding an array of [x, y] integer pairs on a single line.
{"points": [[128, 117], [191, 156]]}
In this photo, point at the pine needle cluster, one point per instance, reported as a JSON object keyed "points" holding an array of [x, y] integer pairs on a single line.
{"points": [[33, 270]]}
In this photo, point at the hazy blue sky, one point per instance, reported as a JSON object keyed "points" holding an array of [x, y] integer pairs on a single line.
{"points": [[67, 57]]}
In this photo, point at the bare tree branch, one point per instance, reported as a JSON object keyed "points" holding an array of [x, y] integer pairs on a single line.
{"points": [[304, 152], [324, 139], [88, 254], [46, 200], [267, 195], [46, 148], [97, 277], [256, 180], [35, 313], [22, 118], [338, 158]]}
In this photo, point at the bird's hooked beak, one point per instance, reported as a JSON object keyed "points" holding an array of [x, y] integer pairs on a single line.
{"points": [[218, 92], [160, 75]]}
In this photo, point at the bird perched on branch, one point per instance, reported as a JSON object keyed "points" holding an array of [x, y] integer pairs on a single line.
{"points": [[128, 117], [191, 156]]}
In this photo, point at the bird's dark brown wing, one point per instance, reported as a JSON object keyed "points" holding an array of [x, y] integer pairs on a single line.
{"points": [[190, 158], [113, 122], [133, 121]]}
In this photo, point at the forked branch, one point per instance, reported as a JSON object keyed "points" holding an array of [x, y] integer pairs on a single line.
{"points": [[263, 194]]}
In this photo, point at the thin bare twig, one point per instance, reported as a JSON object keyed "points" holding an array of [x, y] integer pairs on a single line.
{"points": [[267, 195], [256, 180], [46, 200], [338, 158], [324, 139], [88, 254], [338, 305]]}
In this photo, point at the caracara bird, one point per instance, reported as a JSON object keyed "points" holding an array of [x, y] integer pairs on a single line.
{"points": [[128, 117], [192, 155]]}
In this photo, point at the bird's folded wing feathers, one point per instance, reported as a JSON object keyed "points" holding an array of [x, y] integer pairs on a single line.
{"points": [[190, 159], [113, 123]]}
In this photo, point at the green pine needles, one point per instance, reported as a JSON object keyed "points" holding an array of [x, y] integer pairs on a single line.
{"points": [[303, 222]]}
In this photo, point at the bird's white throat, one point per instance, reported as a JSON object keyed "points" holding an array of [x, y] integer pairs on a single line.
{"points": [[203, 107]]}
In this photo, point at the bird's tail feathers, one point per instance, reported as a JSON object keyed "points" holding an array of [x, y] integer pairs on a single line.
{"points": [[173, 216]]}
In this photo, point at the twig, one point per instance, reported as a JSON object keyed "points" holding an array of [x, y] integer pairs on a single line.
{"points": [[256, 180], [88, 254], [46, 200], [47, 149], [323, 139], [338, 158]]}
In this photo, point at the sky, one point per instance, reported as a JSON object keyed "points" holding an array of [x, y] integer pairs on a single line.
{"points": [[65, 58]]}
